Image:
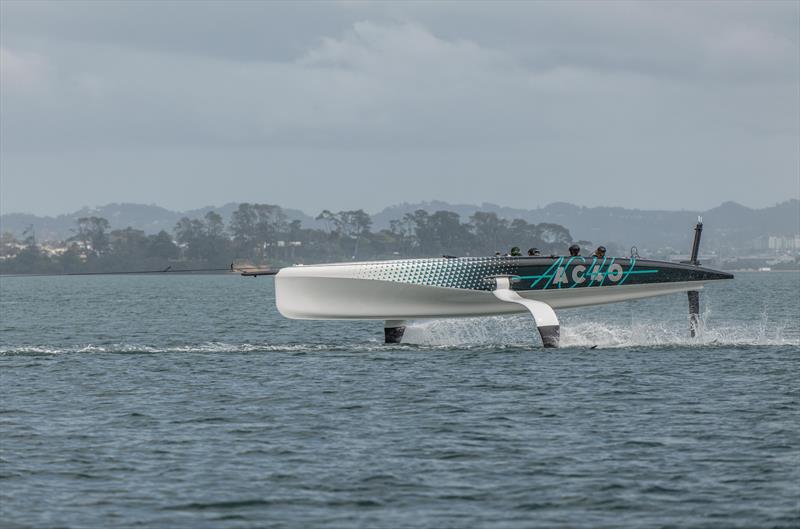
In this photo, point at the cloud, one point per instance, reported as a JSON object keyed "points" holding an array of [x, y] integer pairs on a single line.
{"points": [[584, 98], [377, 84], [22, 71], [750, 52], [368, 46], [402, 84]]}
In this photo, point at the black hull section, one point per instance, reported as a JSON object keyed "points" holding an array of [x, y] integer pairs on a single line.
{"points": [[532, 273], [587, 272]]}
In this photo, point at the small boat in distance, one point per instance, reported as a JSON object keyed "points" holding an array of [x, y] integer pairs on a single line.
{"points": [[409, 289]]}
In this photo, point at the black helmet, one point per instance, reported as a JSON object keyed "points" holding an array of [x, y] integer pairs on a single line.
{"points": [[533, 251], [575, 248], [601, 249]]}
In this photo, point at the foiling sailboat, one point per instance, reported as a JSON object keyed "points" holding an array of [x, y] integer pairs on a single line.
{"points": [[411, 289]]}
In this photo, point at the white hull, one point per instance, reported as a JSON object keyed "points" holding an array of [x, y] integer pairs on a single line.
{"points": [[337, 292]]}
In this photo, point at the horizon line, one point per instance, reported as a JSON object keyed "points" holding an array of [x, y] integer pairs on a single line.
{"points": [[490, 204]]}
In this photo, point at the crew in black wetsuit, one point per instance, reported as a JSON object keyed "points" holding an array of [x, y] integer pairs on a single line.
{"points": [[574, 250]]}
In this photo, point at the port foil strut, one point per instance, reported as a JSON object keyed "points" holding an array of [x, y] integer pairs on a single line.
{"points": [[543, 314]]}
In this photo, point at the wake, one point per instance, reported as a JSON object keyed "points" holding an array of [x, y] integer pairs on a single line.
{"points": [[489, 334], [577, 332]]}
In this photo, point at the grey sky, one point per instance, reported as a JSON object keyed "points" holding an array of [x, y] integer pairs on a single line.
{"points": [[353, 105]]}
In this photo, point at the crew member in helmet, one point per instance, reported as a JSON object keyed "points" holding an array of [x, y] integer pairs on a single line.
{"points": [[516, 252], [533, 252], [600, 253], [574, 250]]}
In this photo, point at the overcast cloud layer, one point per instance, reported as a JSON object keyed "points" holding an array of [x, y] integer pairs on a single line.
{"points": [[355, 105]]}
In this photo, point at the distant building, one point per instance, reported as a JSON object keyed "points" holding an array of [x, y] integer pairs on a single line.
{"points": [[780, 243], [53, 249], [777, 243], [10, 249]]}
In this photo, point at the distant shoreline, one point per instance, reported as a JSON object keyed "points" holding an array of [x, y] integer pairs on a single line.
{"points": [[740, 270]]}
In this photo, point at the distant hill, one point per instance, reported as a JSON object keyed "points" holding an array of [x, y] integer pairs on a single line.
{"points": [[149, 218], [729, 225]]}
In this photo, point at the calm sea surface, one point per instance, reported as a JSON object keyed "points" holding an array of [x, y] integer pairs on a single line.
{"points": [[170, 401]]}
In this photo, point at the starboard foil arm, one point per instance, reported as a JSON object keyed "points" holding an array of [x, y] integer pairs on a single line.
{"points": [[543, 314]]}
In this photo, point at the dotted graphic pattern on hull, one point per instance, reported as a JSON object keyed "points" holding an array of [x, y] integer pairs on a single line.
{"points": [[465, 272]]}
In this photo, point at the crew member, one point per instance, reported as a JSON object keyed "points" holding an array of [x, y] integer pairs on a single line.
{"points": [[533, 252], [516, 252], [574, 250], [600, 253]]}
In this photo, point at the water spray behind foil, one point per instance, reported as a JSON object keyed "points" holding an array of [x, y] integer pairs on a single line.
{"points": [[578, 331]]}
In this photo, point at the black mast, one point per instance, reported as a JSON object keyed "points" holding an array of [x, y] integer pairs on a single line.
{"points": [[694, 295]]}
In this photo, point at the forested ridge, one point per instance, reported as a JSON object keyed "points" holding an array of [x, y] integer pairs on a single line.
{"points": [[262, 235]]}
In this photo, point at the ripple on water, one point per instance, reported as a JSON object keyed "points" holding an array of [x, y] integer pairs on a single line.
{"points": [[191, 415]]}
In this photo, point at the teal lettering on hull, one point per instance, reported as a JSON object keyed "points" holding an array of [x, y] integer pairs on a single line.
{"points": [[560, 275]]}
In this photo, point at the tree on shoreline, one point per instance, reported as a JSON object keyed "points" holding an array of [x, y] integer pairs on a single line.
{"points": [[92, 234], [204, 240], [259, 234], [256, 226]]}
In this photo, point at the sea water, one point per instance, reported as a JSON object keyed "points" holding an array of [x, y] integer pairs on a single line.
{"points": [[188, 401]]}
